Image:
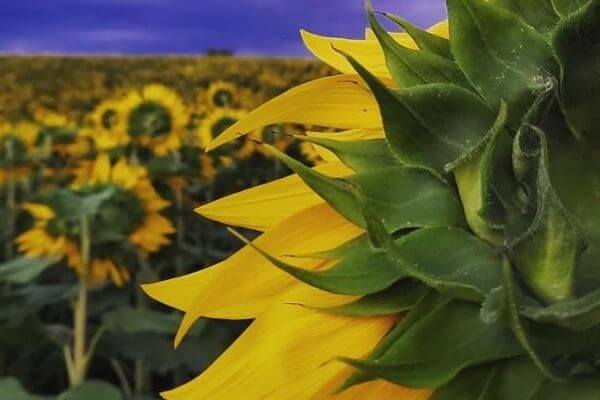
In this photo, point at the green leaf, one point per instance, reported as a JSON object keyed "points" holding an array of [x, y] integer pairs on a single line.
{"points": [[404, 197], [24, 269], [425, 40], [362, 271], [440, 345], [516, 379], [92, 390], [576, 42], [579, 314], [360, 155], [430, 126], [539, 14], [475, 181], [396, 299], [134, 320], [410, 67], [11, 389], [548, 251], [566, 7], [578, 388], [459, 265], [502, 56]]}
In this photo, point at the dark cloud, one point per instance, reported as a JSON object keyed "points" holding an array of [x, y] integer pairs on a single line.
{"points": [[188, 26]]}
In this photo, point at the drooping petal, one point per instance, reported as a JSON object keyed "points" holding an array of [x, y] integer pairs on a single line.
{"points": [[264, 206], [39, 211], [286, 354], [367, 52], [338, 101], [246, 283]]}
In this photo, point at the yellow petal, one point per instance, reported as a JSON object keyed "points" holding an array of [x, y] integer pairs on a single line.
{"points": [[382, 390], [367, 52], [39, 211], [286, 354], [440, 29], [337, 101], [246, 283], [264, 206], [101, 172]]}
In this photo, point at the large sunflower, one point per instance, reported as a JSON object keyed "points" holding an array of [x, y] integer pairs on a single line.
{"points": [[155, 118], [453, 256], [132, 213]]}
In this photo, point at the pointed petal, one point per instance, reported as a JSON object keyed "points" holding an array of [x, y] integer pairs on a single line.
{"points": [[286, 354], [337, 101], [382, 390], [264, 206]]}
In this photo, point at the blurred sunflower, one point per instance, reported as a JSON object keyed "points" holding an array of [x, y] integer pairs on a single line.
{"points": [[16, 143], [155, 118], [221, 94], [216, 123], [131, 214], [59, 135], [109, 127]]}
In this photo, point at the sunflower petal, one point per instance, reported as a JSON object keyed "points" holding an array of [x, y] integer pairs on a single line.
{"points": [[337, 101], [267, 205], [287, 344]]}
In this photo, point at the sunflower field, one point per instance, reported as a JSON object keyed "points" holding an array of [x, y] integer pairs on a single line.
{"points": [[102, 162]]}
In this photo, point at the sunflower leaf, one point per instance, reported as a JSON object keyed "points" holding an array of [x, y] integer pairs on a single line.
{"points": [[430, 126], [502, 56], [576, 40], [398, 298], [436, 348], [404, 197], [538, 13], [547, 252], [425, 40], [567, 7], [410, 67]]}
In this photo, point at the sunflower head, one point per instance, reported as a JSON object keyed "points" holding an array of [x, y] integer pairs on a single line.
{"points": [[16, 142], [108, 125], [127, 210], [221, 94], [216, 123], [464, 236], [155, 118]]}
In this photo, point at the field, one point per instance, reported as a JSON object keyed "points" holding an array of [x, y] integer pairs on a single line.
{"points": [[101, 166]]}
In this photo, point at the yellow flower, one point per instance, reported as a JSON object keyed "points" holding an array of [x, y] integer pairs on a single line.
{"points": [[58, 134], [109, 125], [218, 121], [135, 203], [221, 94], [16, 143], [155, 118], [289, 351]]}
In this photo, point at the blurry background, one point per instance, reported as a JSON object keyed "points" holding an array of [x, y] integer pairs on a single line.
{"points": [[147, 83]]}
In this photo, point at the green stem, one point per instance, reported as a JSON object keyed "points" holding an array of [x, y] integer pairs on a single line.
{"points": [[79, 354], [11, 201], [122, 376], [179, 268]]}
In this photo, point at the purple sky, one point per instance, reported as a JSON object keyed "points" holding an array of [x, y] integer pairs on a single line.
{"points": [[265, 27]]}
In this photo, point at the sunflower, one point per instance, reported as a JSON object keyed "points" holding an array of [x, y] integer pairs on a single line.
{"points": [[58, 134], [109, 126], [454, 255], [221, 94], [16, 144], [132, 212], [216, 123], [155, 118]]}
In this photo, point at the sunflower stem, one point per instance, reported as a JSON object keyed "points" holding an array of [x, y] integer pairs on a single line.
{"points": [[80, 356], [11, 200]]}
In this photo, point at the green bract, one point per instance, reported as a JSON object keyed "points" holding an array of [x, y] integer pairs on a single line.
{"points": [[481, 205]]}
